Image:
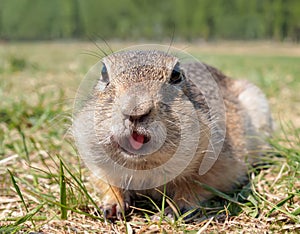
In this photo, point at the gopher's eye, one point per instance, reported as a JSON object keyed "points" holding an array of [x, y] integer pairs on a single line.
{"points": [[104, 74], [176, 75], [103, 81]]}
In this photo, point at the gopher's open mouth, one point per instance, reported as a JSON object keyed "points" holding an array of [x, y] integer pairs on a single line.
{"points": [[137, 140], [133, 143]]}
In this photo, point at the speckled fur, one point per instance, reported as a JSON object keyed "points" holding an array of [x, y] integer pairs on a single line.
{"points": [[151, 70]]}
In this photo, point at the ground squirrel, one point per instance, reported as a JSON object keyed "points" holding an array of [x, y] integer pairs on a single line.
{"points": [[154, 120]]}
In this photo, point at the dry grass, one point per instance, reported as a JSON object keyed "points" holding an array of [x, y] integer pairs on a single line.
{"points": [[37, 85]]}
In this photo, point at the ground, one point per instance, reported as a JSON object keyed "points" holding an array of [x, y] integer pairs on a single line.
{"points": [[44, 187]]}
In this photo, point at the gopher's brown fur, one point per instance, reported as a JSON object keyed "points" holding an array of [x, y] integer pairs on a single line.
{"points": [[143, 87]]}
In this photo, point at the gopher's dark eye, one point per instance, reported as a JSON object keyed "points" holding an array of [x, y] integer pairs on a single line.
{"points": [[104, 74], [103, 81], [176, 75]]}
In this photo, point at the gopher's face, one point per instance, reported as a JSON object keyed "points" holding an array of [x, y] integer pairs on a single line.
{"points": [[139, 110]]}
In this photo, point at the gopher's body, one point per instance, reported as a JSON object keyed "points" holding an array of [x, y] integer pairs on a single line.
{"points": [[234, 113]]}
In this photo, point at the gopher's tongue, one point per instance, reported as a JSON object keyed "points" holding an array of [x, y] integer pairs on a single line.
{"points": [[136, 140]]}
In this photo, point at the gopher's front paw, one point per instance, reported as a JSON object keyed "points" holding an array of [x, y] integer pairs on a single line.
{"points": [[114, 203], [114, 210]]}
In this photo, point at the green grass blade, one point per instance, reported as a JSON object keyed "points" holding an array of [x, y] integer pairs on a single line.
{"points": [[82, 187], [296, 212], [170, 202], [17, 189], [151, 200], [162, 206], [8, 229], [24, 143], [281, 203], [63, 192], [185, 215], [290, 215], [219, 193], [56, 203], [29, 215]]}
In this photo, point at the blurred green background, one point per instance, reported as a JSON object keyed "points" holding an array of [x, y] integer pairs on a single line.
{"points": [[151, 20]]}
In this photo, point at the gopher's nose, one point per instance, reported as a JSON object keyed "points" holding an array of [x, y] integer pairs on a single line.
{"points": [[137, 112], [136, 104], [139, 117]]}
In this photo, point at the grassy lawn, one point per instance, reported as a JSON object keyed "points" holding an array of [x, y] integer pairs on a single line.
{"points": [[44, 185]]}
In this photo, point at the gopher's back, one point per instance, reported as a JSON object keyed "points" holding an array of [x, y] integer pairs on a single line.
{"points": [[254, 112], [248, 117]]}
